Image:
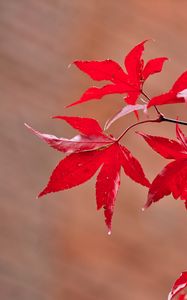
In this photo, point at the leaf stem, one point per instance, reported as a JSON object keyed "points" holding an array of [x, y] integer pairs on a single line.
{"points": [[147, 97], [157, 120]]}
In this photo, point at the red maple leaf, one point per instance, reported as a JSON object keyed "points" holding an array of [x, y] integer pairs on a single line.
{"points": [[92, 136], [129, 83], [91, 151], [179, 285], [177, 94], [173, 178]]}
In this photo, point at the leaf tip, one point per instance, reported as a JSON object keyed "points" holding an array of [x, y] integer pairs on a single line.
{"points": [[26, 125], [42, 194], [67, 106], [169, 296], [56, 117], [107, 125], [148, 40], [139, 133], [76, 62], [185, 203], [71, 104], [147, 204], [30, 128]]}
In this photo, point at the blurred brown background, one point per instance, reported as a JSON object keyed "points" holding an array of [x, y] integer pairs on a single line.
{"points": [[57, 248]]}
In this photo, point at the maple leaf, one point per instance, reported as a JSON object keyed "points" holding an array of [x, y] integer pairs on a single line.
{"points": [[173, 178], [177, 94], [105, 153], [178, 287], [129, 83], [91, 138]]}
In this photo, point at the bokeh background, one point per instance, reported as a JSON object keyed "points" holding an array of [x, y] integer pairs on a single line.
{"points": [[57, 248]]}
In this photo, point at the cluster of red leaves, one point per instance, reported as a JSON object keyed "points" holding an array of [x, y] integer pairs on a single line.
{"points": [[93, 149], [90, 151], [177, 290]]}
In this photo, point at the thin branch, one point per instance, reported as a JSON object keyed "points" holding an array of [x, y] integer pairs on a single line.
{"points": [[173, 121], [157, 110], [157, 120]]}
